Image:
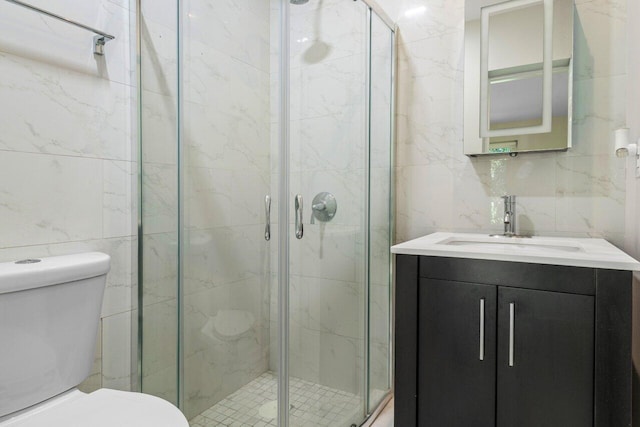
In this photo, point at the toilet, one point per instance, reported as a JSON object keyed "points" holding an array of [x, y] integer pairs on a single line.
{"points": [[49, 317]]}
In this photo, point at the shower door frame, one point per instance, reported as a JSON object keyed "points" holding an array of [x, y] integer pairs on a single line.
{"points": [[284, 213], [284, 149]]}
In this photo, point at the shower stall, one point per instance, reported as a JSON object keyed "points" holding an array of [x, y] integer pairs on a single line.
{"points": [[266, 141]]}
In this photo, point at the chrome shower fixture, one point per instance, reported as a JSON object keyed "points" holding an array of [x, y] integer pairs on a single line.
{"points": [[298, 1]]}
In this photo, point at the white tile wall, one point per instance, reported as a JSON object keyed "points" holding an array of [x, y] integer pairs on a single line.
{"points": [[118, 368], [159, 358], [50, 198], [579, 193], [67, 153]]}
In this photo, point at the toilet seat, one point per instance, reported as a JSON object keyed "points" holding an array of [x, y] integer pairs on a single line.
{"points": [[102, 408]]}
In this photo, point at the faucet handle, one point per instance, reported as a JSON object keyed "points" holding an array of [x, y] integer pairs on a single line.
{"points": [[509, 215]]}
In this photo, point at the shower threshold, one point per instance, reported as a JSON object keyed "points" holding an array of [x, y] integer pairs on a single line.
{"points": [[311, 405]]}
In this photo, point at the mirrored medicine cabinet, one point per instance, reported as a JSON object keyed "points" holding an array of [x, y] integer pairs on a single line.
{"points": [[518, 76]]}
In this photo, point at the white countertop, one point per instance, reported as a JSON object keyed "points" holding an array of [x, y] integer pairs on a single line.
{"points": [[576, 252]]}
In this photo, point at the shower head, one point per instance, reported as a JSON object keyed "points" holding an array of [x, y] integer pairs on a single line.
{"points": [[298, 1]]}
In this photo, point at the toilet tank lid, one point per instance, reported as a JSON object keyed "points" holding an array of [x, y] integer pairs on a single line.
{"points": [[19, 276]]}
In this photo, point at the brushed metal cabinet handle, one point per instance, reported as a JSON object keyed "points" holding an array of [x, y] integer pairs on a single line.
{"points": [[482, 329], [512, 324]]}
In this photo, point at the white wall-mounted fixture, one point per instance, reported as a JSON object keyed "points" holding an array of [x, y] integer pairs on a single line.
{"points": [[99, 40], [625, 149], [622, 142]]}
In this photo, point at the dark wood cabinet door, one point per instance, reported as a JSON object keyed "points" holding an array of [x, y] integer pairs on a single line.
{"points": [[456, 388], [545, 359]]}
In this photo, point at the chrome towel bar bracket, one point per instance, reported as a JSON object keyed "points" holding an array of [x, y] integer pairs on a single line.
{"points": [[99, 40]]}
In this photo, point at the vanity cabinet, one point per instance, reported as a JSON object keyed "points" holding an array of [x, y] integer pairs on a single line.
{"points": [[488, 343], [487, 352]]}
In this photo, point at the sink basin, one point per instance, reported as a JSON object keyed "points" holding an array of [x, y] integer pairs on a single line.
{"points": [[578, 252], [508, 243]]}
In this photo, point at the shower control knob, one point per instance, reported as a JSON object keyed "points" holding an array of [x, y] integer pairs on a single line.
{"points": [[324, 207]]}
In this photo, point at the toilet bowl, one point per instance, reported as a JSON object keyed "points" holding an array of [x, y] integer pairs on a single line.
{"points": [[49, 316], [102, 408]]}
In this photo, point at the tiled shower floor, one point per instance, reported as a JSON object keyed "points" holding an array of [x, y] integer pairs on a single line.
{"points": [[312, 405]]}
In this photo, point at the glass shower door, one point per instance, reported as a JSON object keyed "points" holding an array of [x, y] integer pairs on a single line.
{"points": [[159, 204], [380, 205], [226, 177], [327, 235], [205, 266], [212, 305]]}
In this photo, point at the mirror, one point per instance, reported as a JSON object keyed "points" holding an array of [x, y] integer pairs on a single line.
{"points": [[518, 76]]}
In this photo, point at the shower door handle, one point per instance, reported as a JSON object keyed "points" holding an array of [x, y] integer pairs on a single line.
{"points": [[267, 214], [299, 226]]}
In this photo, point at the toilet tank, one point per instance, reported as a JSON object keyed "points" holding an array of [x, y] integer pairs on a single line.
{"points": [[49, 317]]}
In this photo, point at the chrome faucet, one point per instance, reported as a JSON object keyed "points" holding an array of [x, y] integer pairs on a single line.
{"points": [[509, 215]]}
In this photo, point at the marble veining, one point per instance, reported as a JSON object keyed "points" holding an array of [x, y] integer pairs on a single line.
{"points": [[68, 157], [578, 193]]}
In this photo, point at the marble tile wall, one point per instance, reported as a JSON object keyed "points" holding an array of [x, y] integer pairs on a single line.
{"points": [[67, 159], [579, 193]]}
